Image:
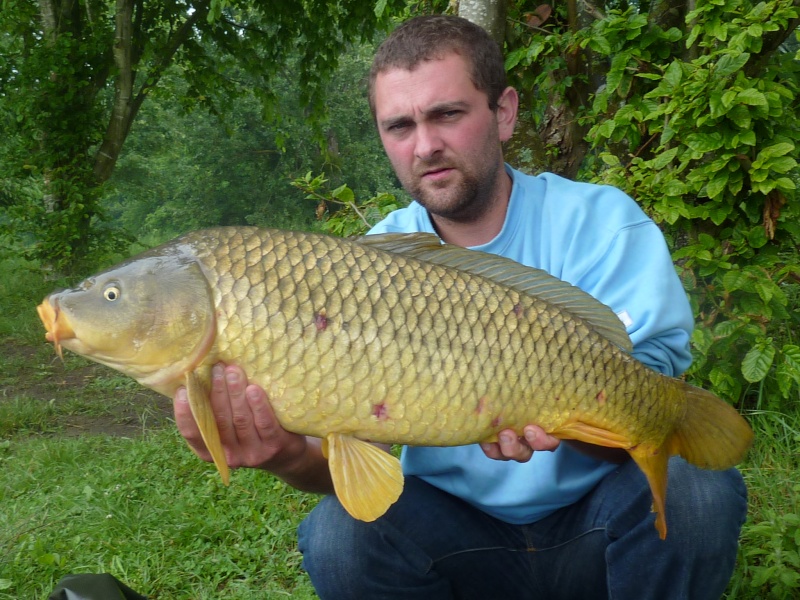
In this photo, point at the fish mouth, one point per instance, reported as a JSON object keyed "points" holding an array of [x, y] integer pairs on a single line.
{"points": [[55, 322]]}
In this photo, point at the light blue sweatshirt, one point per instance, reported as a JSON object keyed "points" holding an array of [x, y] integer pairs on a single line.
{"points": [[597, 238]]}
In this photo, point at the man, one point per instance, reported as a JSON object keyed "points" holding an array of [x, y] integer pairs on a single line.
{"points": [[528, 516]]}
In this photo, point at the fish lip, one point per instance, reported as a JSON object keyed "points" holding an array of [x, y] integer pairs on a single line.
{"points": [[55, 323]]}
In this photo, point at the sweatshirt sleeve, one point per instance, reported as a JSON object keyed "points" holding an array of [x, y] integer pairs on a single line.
{"points": [[633, 273]]}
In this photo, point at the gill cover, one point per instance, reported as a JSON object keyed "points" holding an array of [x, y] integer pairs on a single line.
{"points": [[151, 317]]}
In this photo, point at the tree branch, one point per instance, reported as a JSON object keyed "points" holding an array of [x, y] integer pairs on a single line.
{"points": [[770, 43], [126, 106]]}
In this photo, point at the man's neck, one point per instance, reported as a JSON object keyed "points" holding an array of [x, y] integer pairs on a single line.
{"points": [[482, 230]]}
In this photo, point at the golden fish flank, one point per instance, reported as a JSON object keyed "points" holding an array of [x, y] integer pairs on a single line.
{"points": [[393, 338]]}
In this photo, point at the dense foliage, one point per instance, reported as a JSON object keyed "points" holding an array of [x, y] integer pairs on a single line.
{"points": [[701, 127], [74, 76], [187, 170]]}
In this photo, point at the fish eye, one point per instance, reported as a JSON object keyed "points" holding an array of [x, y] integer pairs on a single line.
{"points": [[112, 293]]}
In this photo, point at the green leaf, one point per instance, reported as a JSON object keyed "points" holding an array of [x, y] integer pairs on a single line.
{"points": [[612, 160], [736, 280], [791, 356], [380, 7], [343, 194], [757, 237], [785, 380], [748, 138], [513, 57], [752, 97], [663, 159], [675, 187], [781, 164], [673, 75], [729, 64], [600, 44], [779, 149], [719, 214], [704, 142], [606, 128], [757, 362], [615, 73], [717, 185]]}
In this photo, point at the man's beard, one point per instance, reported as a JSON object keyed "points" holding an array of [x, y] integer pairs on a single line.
{"points": [[466, 202]]}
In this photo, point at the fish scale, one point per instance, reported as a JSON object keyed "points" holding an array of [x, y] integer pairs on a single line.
{"points": [[395, 339]]}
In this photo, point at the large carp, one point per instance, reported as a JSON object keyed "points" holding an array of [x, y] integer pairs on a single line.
{"points": [[393, 338]]}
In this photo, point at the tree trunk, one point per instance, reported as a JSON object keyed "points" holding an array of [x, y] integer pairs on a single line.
{"points": [[489, 14], [126, 106]]}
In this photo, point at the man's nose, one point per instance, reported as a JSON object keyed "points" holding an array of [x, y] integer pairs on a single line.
{"points": [[428, 142]]}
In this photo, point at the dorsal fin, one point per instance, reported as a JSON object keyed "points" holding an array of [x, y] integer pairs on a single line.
{"points": [[504, 271]]}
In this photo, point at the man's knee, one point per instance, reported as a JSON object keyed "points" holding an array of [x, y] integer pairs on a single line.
{"points": [[702, 502], [325, 537]]}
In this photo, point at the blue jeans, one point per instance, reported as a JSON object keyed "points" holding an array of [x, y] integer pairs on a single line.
{"points": [[431, 545]]}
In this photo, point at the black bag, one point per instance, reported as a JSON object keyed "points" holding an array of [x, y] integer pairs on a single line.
{"points": [[93, 587]]}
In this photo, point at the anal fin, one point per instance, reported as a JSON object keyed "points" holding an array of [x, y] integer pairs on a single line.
{"points": [[367, 479], [583, 432], [200, 404], [653, 462]]}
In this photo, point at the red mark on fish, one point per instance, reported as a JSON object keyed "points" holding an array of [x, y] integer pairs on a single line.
{"points": [[380, 412]]}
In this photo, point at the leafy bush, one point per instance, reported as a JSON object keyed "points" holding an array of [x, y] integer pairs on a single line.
{"points": [[706, 141], [348, 217]]}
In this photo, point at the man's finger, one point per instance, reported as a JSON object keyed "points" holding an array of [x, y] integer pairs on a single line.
{"points": [[538, 439], [514, 448], [187, 425]]}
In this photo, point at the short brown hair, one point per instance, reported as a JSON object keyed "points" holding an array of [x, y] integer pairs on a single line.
{"points": [[431, 37]]}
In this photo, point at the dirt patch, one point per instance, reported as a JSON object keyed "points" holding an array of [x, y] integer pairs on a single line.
{"points": [[149, 411], [38, 375]]}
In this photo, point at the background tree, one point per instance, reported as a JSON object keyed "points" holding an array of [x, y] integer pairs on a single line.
{"points": [[74, 76], [185, 170]]}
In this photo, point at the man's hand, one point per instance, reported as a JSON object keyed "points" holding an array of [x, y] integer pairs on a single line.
{"points": [[510, 446], [251, 434]]}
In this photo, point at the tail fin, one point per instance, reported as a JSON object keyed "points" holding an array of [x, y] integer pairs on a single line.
{"points": [[712, 434]]}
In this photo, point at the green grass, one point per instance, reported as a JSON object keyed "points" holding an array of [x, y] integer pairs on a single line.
{"points": [[769, 553], [149, 512]]}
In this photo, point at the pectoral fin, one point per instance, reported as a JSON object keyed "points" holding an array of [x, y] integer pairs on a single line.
{"points": [[200, 404], [367, 479]]}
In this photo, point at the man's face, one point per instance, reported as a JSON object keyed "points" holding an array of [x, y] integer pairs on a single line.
{"points": [[441, 137]]}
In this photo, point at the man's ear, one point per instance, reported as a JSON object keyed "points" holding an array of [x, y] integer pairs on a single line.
{"points": [[507, 106]]}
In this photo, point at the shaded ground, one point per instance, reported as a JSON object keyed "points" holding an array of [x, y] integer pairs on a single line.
{"points": [[86, 398]]}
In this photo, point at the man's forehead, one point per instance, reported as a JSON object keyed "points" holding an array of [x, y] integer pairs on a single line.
{"points": [[442, 55], [432, 82]]}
